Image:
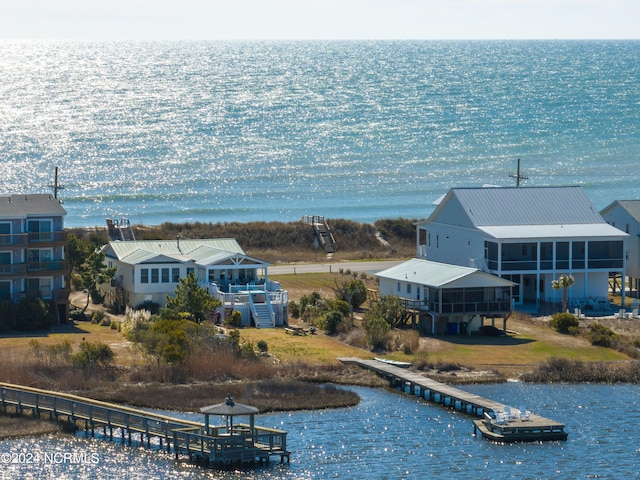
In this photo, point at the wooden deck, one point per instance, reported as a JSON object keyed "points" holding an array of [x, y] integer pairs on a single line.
{"points": [[501, 422], [183, 437]]}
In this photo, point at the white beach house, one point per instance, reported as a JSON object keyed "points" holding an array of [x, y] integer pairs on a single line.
{"points": [[448, 298], [530, 236], [148, 271], [625, 215]]}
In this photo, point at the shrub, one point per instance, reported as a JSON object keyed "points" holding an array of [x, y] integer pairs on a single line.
{"points": [[97, 316], [262, 346], [151, 307], [601, 336], [234, 320], [32, 313], [376, 329], [331, 322], [294, 309], [76, 314], [93, 354], [353, 292], [565, 323]]}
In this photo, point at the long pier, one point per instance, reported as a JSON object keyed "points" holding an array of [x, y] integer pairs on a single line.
{"points": [[498, 422], [202, 444]]}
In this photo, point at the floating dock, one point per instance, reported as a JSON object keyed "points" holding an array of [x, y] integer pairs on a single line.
{"points": [[497, 421]]}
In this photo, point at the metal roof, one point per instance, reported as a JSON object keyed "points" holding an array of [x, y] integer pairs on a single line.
{"points": [[553, 231], [435, 274], [22, 206], [526, 206], [205, 251], [630, 206], [174, 247]]}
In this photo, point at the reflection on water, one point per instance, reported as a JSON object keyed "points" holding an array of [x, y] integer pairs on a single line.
{"points": [[388, 435]]}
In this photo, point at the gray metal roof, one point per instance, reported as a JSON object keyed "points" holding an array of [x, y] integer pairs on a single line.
{"points": [[31, 205], [526, 206], [439, 275], [631, 206]]}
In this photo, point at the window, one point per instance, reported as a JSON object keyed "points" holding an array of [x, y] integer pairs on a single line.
{"points": [[5, 290], [155, 275], [398, 286], [408, 288], [144, 275], [39, 259], [165, 275], [40, 230], [5, 232], [39, 287], [175, 275]]}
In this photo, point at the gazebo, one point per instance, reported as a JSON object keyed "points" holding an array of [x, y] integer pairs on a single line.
{"points": [[229, 409]]}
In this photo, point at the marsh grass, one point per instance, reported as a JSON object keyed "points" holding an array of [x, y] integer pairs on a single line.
{"points": [[564, 370], [26, 425]]}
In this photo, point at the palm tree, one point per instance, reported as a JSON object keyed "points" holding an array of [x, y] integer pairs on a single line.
{"points": [[564, 282]]}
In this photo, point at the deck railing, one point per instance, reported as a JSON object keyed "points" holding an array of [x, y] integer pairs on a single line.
{"points": [[93, 411]]}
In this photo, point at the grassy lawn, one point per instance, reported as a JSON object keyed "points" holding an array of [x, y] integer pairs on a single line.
{"points": [[18, 344], [533, 343], [317, 348]]}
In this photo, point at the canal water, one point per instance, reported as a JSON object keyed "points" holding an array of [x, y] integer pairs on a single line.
{"points": [[387, 436]]}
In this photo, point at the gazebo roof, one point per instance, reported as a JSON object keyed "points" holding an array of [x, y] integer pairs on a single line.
{"points": [[229, 409]]}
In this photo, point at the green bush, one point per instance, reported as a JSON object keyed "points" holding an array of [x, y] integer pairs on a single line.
{"points": [[331, 322], [353, 292], [33, 314], [601, 336], [234, 320], [93, 354], [565, 323], [262, 346], [376, 329], [294, 309]]}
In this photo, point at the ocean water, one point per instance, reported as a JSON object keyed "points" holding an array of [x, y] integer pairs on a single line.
{"points": [[244, 131], [387, 436]]}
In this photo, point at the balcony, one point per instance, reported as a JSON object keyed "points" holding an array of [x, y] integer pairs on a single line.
{"points": [[50, 267], [58, 267], [19, 239], [47, 238]]}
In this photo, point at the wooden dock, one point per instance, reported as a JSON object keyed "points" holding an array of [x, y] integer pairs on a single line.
{"points": [[206, 445], [498, 422]]}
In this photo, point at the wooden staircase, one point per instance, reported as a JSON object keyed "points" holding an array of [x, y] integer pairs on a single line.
{"points": [[323, 233], [120, 230]]}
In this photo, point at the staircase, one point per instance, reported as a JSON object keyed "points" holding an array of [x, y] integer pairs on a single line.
{"points": [[323, 232], [120, 230], [262, 315]]}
